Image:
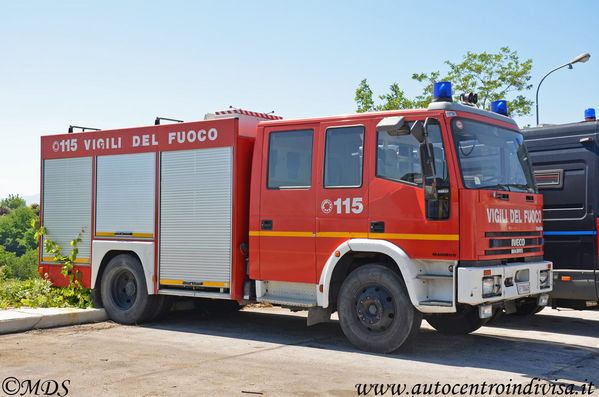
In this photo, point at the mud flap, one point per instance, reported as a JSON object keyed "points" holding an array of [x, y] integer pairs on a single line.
{"points": [[318, 315]]}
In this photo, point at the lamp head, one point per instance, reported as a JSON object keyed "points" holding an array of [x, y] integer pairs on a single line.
{"points": [[581, 58]]}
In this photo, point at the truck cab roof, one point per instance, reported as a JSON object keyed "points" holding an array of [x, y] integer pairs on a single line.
{"points": [[432, 107], [457, 107], [570, 134]]}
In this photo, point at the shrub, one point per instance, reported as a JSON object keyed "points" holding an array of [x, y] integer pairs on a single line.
{"points": [[7, 260], [40, 293], [25, 267], [22, 267]]}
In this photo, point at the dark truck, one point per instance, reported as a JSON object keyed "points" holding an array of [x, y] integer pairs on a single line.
{"points": [[565, 159]]}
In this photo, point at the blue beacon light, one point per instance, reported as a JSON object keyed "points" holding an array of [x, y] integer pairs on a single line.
{"points": [[442, 92], [589, 114], [499, 107]]}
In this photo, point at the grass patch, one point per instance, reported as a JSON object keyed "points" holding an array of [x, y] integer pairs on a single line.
{"points": [[40, 293]]}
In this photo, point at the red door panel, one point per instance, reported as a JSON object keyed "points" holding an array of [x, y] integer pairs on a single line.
{"points": [[287, 222], [397, 196], [342, 193]]}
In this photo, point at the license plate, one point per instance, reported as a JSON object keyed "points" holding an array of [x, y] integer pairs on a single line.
{"points": [[523, 288]]}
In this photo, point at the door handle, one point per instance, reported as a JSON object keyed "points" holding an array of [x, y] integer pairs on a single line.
{"points": [[377, 227], [266, 224]]}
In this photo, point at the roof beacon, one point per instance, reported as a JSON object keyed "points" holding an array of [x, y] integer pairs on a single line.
{"points": [[442, 92], [499, 107], [589, 115]]}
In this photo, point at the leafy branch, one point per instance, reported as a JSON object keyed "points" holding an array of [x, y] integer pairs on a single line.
{"points": [[75, 293]]}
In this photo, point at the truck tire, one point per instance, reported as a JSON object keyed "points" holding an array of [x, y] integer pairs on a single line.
{"points": [[124, 292], [461, 323], [96, 297], [375, 311]]}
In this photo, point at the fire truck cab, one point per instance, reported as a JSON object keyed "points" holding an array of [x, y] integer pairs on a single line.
{"points": [[384, 217]]}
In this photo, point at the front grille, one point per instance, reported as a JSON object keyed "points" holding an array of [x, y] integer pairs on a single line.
{"points": [[513, 243]]}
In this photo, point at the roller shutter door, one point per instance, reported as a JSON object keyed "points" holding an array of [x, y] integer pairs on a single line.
{"points": [[125, 195], [195, 216], [66, 204]]}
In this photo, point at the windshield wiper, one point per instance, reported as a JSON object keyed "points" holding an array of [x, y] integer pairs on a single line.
{"points": [[499, 186], [522, 186]]}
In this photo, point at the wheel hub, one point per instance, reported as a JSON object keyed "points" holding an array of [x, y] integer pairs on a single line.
{"points": [[375, 308], [372, 309], [130, 289], [124, 290]]}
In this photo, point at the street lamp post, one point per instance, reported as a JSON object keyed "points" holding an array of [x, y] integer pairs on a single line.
{"points": [[581, 58]]}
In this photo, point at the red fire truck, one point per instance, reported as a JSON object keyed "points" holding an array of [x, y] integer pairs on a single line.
{"points": [[384, 217]]}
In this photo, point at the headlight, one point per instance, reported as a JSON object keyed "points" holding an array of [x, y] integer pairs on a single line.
{"points": [[544, 279], [491, 286]]}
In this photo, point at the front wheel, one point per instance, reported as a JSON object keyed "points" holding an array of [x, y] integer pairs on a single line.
{"points": [[527, 307], [124, 291], [463, 322], [375, 311]]}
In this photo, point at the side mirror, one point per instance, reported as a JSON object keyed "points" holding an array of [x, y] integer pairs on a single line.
{"points": [[427, 160], [418, 131], [394, 126], [427, 163]]}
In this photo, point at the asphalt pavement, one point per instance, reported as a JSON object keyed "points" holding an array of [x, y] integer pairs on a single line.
{"points": [[270, 351]]}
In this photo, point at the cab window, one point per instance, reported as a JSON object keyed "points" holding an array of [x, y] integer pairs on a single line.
{"points": [[343, 159], [290, 159], [398, 159], [398, 156]]}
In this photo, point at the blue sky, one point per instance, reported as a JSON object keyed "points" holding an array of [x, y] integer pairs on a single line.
{"points": [[114, 64]]}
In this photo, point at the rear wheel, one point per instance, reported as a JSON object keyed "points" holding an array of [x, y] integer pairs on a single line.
{"points": [[96, 297], [124, 291], [463, 322], [375, 311]]}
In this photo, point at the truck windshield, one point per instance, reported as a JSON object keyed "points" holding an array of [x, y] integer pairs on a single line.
{"points": [[492, 157]]}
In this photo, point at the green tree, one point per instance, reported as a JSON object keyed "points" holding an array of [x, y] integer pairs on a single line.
{"points": [[491, 76], [16, 233], [395, 99], [363, 97], [22, 267], [13, 201], [7, 260]]}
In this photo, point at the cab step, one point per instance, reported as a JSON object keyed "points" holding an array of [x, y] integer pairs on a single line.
{"points": [[287, 301], [434, 276], [434, 302]]}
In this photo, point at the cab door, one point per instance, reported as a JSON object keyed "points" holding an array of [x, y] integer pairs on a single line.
{"points": [[424, 227], [287, 209], [342, 199]]}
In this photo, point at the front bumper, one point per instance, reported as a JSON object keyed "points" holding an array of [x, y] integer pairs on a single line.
{"points": [[518, 280]]}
